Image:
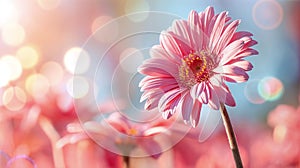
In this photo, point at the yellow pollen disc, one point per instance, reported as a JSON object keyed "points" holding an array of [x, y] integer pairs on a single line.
{"points": [[132, 132], [195, 68]]}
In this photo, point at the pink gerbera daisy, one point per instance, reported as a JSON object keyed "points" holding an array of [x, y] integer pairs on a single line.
{"points": [[190, 66]]}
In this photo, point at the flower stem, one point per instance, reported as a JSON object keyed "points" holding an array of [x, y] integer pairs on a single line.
{"points": [[126, 160], [231, 137]]}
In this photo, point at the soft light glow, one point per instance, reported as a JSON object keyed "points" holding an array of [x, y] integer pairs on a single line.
{"points": [[100, 21], [104, 29], [13, 34], [28, 56], [4, 74], [279, 133], [267, 14], [251, 92], [137, 6], [64, 102], [12, 67], [130, 59], [270, 88], [37, 85], [53, 71], [8, 12], [14, 98], [77, 60], [48, 4], [77, 87]]}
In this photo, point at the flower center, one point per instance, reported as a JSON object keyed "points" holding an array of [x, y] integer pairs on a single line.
{"points": [[132, 132], [195, 68]]}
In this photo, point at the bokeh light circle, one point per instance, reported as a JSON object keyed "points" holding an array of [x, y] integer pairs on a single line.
{"points": [[80, 89], [53, 72], [74, 55], [137, 6], [267, 14], [270, 88], [108, 33], [5, 77], [8, 12], [48, 4], [37, 85], [28, 56], [251, 92], [14, 98], [130, 59], [13, 34], [12, 67], [280, 133]]}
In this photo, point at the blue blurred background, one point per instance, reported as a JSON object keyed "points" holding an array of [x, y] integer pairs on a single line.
{"points": [[41, 41]]}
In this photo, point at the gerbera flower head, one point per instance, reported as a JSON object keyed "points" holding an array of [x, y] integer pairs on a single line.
{"points": [[192, 62]]}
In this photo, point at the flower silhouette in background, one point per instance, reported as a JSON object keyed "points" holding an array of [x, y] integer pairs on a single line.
{"points": [[190, 66], [119, 135], [128, 135]]}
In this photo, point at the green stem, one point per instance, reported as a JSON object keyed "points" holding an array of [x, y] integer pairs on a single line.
{"points": [[231, 137]]}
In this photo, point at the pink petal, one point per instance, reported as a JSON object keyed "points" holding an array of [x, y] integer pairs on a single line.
{"points": [[194, 19], [205, 95], [208, 15], [217, 30], [196, 90], [117, 121], [214, 101], [221, 93], [229, 100], [199, 39], [151, 93], [157, 52], [168, 113], [236, 78], [231, 50], [227, 35], [181, 31], [186, 106], [102, 129], [155, 130], [216, 80], [195, 115], [155, 82], [158, 67], [152, 101], [169, 100], [240, 34], [211, 25], [233, 70], [174, 46], [151, 147], [245, 65], [228, 18], [245, 53], [250, 43]]}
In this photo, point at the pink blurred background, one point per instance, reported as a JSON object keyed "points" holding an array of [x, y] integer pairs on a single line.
{"points": [[41, 41]]}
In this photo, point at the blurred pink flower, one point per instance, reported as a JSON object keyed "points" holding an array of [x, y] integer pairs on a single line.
{"points": [[187, 68], [128, 136], [281, 147]]}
